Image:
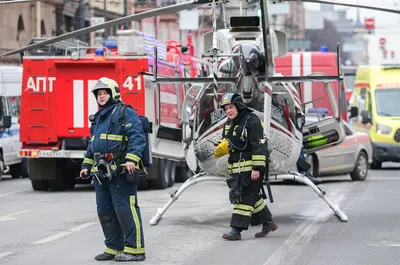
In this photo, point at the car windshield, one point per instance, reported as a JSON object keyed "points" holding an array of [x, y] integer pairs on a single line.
{"points": [[387, 102]]}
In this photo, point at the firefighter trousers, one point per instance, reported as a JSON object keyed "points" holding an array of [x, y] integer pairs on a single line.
{"points": [[119, 215], [252, 210]]}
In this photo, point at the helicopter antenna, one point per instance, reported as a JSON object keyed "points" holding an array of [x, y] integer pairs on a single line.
{"points": [[269, 66], [224, 15], [214, 55], [243, 7]]}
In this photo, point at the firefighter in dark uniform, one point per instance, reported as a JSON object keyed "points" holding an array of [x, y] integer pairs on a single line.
{"points": [[243, 141], [116, 198]]}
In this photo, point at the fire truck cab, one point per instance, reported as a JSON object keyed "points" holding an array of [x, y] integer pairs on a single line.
{"points": [[314, 94], [57, 101]]}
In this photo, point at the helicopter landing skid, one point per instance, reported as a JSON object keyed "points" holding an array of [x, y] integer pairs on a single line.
{"points": [[200, 177], [321, 193]]}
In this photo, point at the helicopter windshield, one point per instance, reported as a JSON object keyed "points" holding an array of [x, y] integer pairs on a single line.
{"points": [[188, 105], [247, 49]]}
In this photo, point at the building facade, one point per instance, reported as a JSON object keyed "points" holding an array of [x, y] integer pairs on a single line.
{"points": [[20, 22]]}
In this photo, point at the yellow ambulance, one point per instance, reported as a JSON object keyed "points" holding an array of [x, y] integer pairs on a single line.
{"points": [[375, 109]]}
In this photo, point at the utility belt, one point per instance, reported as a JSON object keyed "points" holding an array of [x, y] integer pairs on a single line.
{"points": [[108, 166]]}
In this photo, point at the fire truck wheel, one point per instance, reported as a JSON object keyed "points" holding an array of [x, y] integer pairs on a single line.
{"points": [[15, 171], [24, 168], [159, 174], [172, 173], [19, 170], [40, 184], [144, 185], [182, 173], [60, 184]]}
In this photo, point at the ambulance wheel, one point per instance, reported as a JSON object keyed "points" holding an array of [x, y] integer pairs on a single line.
{"points": [[376, 164], [40, 184]]}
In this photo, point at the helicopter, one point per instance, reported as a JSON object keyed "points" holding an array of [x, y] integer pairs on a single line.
{"points": [[243, 62]]}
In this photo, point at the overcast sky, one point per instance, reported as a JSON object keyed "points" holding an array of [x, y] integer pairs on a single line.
{"points": [[387, 25]]}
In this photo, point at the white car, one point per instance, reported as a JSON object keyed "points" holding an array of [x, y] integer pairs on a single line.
{"points": [[10, 143], [353, 155]]}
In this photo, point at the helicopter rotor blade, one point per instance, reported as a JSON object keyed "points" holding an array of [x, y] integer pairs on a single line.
{"points": [[396, 11], [135, 17]]}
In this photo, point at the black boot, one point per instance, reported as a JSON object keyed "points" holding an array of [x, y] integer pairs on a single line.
{"points": [[316, 181], [123, 256], [268, 226], [104, 257], [234, 234]]}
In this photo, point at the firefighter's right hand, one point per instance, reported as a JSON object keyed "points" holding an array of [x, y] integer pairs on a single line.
{"points": [[84, 174], [222, 148]]}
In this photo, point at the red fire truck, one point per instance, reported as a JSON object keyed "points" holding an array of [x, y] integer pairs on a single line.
{"points": [[57, 101], [305, 63]]}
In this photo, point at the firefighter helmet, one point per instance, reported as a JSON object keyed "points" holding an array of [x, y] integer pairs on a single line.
{"points": [[233, 98], [108, 84]]}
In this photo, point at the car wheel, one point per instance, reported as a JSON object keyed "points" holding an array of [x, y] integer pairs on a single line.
{"points": [[361, 168]]}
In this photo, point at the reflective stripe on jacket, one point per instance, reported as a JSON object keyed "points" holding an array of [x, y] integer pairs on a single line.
{"points": [[242, 157], [106, 135]]}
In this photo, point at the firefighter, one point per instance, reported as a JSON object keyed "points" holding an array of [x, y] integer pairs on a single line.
{"points": [[243, 141], [110, 163]]}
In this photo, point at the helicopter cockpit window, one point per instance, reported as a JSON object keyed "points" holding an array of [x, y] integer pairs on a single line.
{"points": [[209, 112], [188, 105], [283, 107]]}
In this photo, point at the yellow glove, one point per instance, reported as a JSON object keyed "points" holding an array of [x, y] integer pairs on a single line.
{"points": [[222, 149]]}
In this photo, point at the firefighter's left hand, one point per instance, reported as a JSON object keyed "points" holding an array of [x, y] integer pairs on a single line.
{"points": [[130, 166], [255, 175]]}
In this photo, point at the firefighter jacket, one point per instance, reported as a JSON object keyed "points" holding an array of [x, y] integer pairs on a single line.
{"points": [[106, 135], [247, 150]]}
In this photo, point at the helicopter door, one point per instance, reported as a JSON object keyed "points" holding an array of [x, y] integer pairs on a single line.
{"points": [[320, 131], [188, 119]]}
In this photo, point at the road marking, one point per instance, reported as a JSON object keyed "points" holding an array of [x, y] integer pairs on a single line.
{"points": [[10, 216], [11, 193], [306, 231], [52, 238], [81, 227], [65, 233], [385, 244], [5, 254]]}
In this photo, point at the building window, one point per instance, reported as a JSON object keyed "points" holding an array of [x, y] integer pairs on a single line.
{"points": [[20, 27], [42, 28]]}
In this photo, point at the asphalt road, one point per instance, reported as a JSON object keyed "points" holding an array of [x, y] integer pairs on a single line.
{"points": [[60, 228]]}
